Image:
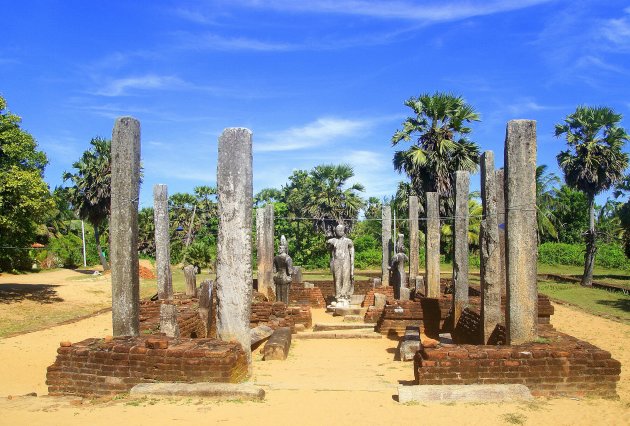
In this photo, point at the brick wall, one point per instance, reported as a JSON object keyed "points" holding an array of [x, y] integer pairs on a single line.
{"points": [[98, 367], [369, 296], [328, 287], [188, 320], [565, 366], [428, 314], [306, 296], [277, 314]]}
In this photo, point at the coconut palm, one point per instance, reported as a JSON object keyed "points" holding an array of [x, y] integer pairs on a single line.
{"points": [[90, 194], [593, 162], [438, 132]]}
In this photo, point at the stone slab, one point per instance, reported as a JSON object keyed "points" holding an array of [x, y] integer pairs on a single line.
{"points": [[219, 391], [352, 334], [409, 344], [277, 347], [463, 393], [260, 333], [353, 318], [342, 312], [341, 326], [357, 299]]}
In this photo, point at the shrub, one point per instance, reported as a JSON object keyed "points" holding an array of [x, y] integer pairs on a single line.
{"points": [[608, 255]]}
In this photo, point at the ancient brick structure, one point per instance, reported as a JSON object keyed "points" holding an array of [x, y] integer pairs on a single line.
{"points": [[99, 367], [277, 314], [188, 320], [369, 296], [306, 296], [565, 366]]}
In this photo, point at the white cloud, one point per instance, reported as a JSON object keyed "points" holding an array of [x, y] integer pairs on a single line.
{"points": [[521, 106], [400, 10], [323, 131], [210, 41], [617, 31], [121, 86]]}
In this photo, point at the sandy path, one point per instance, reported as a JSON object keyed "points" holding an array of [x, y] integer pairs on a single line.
{"points": [[322, 382]]}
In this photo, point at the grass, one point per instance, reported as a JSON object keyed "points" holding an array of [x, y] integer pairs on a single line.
{"points": [[514, 418], [592, 300]]}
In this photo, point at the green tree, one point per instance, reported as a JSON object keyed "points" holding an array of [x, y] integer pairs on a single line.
{"points": [[571, 212], [440, 146], [24, 196], [545, 203], [90, 194], [593, 162]]}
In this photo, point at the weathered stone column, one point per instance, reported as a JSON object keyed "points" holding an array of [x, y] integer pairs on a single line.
{"points": [[387, 244], [264, 245], [414, 239], [460, 244], [123, 226], [521, 238], [234, 245], [162, 242], [190, 275], [490, 249], [500, 181], [432, 245]]}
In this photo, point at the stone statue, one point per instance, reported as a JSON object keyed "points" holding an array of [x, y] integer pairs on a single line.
{"points": [[282, 271], [342, 264], [398, 273]]}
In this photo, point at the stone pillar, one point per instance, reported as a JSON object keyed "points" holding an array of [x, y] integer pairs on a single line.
{"points": [[432, 245], [162, 242], [234, 245], [123, 226], [387, 244], [190, 275], [490, 249], [500, 181], [460, 244], [521, 238], [414, 239], [264, 247], [168, 320]]}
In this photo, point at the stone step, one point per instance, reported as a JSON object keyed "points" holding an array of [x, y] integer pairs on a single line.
{"points": [[219, 391], [340, 334], [463, 393], [342, 326], [341, 312]]}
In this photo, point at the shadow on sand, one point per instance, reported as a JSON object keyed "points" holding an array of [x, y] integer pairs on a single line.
{"points": [[42, 293]]}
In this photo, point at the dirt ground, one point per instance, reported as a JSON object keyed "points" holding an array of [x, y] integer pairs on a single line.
{"points": [[322, 382]]}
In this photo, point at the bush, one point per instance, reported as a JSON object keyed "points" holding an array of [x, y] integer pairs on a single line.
{"points": [[608, 255], [67, 251], [367, 259]]}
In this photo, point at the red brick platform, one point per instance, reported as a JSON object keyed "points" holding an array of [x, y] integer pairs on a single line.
{"points": [[98, 367]]}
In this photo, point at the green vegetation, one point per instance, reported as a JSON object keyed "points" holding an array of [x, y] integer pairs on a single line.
{"points": [[591, 300]]}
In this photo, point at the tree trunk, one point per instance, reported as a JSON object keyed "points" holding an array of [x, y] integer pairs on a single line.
{"points": [[591, 249], [101, 256], [190, 227]]}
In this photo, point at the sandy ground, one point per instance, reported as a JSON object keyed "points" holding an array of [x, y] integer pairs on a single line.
{"points": [[322, 382]]}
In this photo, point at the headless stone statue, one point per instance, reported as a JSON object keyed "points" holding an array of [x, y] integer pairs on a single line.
{"points": [[282, 271], [398, 273], [342, 264]]}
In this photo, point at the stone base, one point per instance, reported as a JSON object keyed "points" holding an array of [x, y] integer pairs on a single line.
{"points": [[463, 393], [216, 391]]}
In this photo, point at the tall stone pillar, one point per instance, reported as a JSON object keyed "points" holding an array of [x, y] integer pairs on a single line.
{"points": [[500, 181], [432, 245], [414, 238], [460, 244], [387, 244], [490, 249], [234, 245], [264, 246], [162, 242], [123, 226], [521, 238]]}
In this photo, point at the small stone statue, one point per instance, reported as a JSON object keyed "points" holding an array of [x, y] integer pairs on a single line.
{"points": [[398, 273], [282, 271], [342, 264]]}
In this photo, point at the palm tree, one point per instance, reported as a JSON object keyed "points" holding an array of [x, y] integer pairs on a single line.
{"points": [[438, 131], [593, 162], [546, 203], [90, 194], [327, 200]]}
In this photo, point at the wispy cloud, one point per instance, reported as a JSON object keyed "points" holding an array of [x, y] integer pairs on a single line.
{"points": [[323, 131], [527, 105], [210, 41], [427, 12], [122, 86], [617, 31]]}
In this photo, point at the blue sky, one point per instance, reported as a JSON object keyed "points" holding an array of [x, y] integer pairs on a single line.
{"points": [[317, 81]]}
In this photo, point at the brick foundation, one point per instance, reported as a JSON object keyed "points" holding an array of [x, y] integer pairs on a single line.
{"points": [[277, 314], [97, 367], [565, 366], [369, 296], [188, 320], [313, 297]]}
